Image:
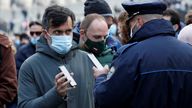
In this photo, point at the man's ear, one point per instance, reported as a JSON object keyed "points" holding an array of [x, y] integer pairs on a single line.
{"points": [[46, 35], [82, 37], [176, 27], [82, 34]]}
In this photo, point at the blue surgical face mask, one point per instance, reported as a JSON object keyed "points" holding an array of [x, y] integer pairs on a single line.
{"points": [[34, 40], [61, 44], [17, 42]]}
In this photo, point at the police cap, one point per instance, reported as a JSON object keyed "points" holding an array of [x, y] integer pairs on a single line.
{"points": [[134, 8]]}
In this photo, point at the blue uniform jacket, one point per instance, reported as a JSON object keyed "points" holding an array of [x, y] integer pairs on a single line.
{"points": [[153, 71]]}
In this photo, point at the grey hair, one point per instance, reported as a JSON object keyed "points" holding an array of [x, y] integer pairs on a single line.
{"points": [[149, 17]]}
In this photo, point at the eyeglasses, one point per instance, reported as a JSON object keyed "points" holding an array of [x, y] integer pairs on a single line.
{"points": [[37, 33]]}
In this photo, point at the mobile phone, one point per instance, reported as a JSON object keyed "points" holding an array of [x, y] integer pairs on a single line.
{"points": [[67, 74]]}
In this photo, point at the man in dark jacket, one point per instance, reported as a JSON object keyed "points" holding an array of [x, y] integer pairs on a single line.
{"points": [[173, 16], [153, 71], [35, 29], [41, 82], [26, 50], [8, 77]]}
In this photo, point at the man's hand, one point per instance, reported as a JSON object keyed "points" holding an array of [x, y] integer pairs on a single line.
{"points": [[98, 72], [62, 85]]}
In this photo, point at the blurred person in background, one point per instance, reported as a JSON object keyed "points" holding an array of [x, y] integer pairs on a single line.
{"points": [[24, 39], [173, 16], [185, 34], [20, 39], [113, 32], [25, 22], [41, 82], [26, 49], [35, 30], [17, 41], [188, 17], [8, 77], [122, 28]]}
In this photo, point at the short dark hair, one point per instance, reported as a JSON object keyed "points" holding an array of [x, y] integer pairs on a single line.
{"points": [[56, 15], [34, 23], [24, 36], [188, 18], [175, 19]]}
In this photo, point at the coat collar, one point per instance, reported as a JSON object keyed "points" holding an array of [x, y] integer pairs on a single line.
{"points": [[153, 28]]}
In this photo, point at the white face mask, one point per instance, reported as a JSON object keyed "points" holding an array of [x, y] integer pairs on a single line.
{"points": [[132, 31], [61, 44]]}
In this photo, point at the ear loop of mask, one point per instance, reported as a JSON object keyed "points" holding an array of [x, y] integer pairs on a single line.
{"points": [[131, 29], [130, 32], [47, 36]]}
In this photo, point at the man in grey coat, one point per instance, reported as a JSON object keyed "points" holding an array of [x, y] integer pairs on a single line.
{"points": [[41, 83]]}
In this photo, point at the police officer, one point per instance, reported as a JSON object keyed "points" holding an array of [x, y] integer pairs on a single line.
{"points": [[153, 71]]}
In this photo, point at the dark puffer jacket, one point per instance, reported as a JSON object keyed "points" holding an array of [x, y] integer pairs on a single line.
{"points": [[23, 53], [153, 71]]}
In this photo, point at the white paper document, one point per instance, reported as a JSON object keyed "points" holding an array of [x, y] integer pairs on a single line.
{"points": [[95, 61]]}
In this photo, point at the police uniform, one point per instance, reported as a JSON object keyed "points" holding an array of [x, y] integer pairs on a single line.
{"points": [[153, 71]]}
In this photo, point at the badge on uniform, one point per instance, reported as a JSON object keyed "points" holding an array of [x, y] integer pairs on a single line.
{"points": [[111, 72]]}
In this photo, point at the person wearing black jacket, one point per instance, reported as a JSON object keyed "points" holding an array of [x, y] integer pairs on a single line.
{"points": [[35, 30]]}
